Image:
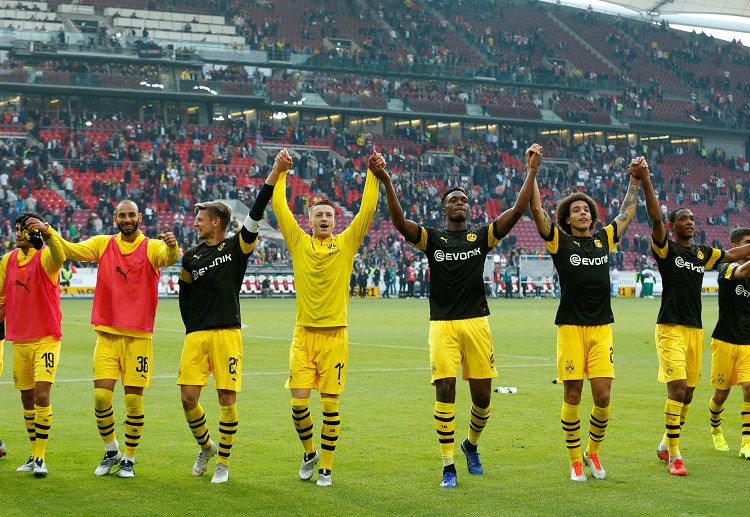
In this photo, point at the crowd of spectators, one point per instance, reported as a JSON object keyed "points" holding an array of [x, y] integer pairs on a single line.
{"points": [[165, 167]]}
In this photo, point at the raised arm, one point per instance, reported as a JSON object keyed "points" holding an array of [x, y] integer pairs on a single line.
{"points": [[508, 219], [639, 169], [357, 229], [628, 207], [163, 252], [249, 229], [736, 254], [53, 256], [541, 217], [287, 223], [89, 250], [406, 227]]}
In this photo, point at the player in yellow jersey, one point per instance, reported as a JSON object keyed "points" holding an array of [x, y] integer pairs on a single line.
{"points": [[123, 317], [3, 448], [319, 353], [30, 306]]}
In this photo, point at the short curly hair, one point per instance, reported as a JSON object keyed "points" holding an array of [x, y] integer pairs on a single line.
{"points": [[563, 210]]}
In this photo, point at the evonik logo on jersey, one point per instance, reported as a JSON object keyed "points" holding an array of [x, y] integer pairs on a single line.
{"points": [[741, 291], [681, 263], [218, 260], [578, 260], [441, 256]]}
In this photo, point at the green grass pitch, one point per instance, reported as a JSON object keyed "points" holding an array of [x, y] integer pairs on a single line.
{"points": [[387, 460]]}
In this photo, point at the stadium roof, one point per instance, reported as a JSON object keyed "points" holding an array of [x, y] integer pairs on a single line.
{"points": [[663, 7]]}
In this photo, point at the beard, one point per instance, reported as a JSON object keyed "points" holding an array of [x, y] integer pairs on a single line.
{"points": [[128, 231]]}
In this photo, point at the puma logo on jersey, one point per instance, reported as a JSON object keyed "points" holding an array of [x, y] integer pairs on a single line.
{"points": [[196, 256], [21, 284], [444, 239], [124, 274]]}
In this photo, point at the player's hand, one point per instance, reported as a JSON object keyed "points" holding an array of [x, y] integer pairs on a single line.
{"points": [[283, 162], [168, 238], [35, 224], [638, 168], [534, 156], [376, 163]]}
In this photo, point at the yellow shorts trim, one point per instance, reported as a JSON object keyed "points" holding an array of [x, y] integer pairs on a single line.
{"points": [[318, 359], [466, 342], [730, 364], [35, 362], [123, 357], [217, 351], [680, 352], [585, 350]]}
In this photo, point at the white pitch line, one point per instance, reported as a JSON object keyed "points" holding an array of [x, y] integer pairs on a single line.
{"points": [[286, 372], [356, 343]]}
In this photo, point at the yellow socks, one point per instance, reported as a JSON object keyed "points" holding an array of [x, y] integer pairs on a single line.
{"points": [[745, 419], [29, 415], [105, 419], [715, 415], [42, 426], [329, 432], [228, 424], [571, 425], [672, 415], [133, 423], [445, 427], [196, 419], [597, 428], [477, 420], [303, 423]]}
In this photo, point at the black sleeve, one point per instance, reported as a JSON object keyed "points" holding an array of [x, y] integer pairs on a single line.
{"points": [[256, 212], [186, 289]]}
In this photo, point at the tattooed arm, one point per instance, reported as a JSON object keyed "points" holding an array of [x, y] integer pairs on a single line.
{"points": [[628, 206], [541, 217]]}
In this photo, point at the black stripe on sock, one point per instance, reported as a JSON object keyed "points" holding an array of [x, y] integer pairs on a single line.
{"points": [[306, 429], [228, 431], [479, 417], [41, 436], [42, 427], [331, 422], [298, 418], [134, 424], [444, 419], [446, 440], [197, 419], [131, 444], [577, 422], [307, 437], [328, 438], [335, 413], [227, 424], [226, 446], [327, 447], [592, 418], [131, 437], [223, 454], [196, 426], [298, 411]]}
